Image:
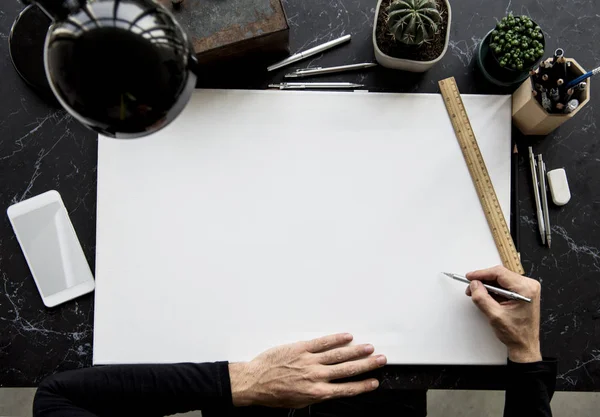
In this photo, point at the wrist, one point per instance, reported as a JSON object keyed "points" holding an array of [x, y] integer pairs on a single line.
{"points": [[241, 392], [525, 354]]}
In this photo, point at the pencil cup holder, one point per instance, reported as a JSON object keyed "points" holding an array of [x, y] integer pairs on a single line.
{"points": [[531, 118]]}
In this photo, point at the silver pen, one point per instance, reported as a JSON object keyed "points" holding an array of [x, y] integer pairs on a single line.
{"points": [[304, 86], [307, 72], [498, 291], [310, 52], [536, 194], [542, 169]]}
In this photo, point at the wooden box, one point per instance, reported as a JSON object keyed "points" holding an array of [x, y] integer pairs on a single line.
{"points": [[531, 118], [222, 29]]}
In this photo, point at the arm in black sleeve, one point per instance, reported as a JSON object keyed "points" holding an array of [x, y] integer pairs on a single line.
{"points": [[149, 390], [530, 387]]}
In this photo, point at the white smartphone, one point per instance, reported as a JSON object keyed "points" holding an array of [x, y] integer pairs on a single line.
{"points": [[51, 248]]}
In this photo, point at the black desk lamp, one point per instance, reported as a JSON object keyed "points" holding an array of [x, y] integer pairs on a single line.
{"points": [[124, 68]]}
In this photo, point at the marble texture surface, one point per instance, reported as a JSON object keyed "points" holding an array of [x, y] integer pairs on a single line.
{"points": [[44, 148]]}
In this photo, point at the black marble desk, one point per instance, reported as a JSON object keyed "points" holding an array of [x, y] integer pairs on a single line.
{"points": [[43, 148]]}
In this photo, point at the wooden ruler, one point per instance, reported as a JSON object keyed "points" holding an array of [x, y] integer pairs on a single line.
{"points": [[479, 174]]}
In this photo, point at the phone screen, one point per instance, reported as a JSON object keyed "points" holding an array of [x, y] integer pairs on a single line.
{"points": [[51, 248]]}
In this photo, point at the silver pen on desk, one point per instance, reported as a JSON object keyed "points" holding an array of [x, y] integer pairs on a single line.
{"points": [[542, 169], [309, 52], [498, 291], [308, 72], [305, 86], [536, 194]]}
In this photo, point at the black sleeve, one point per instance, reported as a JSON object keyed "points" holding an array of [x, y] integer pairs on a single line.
{"points": [[530, 387], [134, 390]]}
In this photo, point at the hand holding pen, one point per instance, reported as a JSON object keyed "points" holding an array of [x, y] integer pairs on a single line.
{"points": [[516, 324], [510, 295]]}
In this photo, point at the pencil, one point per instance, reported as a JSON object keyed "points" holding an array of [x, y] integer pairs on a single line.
{"points": [[584, 77]]}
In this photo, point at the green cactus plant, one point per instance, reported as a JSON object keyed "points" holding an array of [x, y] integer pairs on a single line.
{"points": [[517, 42], [413, 22]]}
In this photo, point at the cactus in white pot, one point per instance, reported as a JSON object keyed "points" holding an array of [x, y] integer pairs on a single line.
{"points": [[413, 34], [413, 22]]}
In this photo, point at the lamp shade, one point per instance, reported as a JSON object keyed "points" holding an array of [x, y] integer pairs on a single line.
{"points": [[124, 68]]}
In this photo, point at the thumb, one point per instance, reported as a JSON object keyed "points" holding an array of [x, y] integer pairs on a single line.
{"points": [[483, 300]]}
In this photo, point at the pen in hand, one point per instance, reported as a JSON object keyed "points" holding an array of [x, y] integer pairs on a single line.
{"points": [[495, 290]]}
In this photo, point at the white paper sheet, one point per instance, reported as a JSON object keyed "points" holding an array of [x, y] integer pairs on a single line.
{"points": [[260, 218]]}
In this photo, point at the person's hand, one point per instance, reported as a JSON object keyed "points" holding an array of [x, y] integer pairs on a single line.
{"points": [[516, 323], [300, 374]]}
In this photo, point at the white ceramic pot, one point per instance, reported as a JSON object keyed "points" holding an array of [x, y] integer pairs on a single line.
{"points": [[408, 64]]}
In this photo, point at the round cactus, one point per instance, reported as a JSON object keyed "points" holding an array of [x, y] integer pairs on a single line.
{"points": [[413, 22], [517, 42]]}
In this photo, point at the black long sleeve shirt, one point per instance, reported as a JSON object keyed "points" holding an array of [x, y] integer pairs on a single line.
{"points": [[160, 390]]}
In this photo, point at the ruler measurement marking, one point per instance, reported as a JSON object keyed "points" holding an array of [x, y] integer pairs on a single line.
{"points": [[480, 175]]}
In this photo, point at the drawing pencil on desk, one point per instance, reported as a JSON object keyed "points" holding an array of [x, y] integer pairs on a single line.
{"points": [[310, 52], [536, 194], [307, 72], [544, 197], [326, 85]]}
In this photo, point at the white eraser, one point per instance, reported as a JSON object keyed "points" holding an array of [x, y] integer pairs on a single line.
{"points": [[559, 186]]}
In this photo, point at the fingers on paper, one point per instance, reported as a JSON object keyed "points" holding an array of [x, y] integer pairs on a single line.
{"points": [[325, 343], [351, 389], [483, 300], [345, 354], [353, 368]]}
